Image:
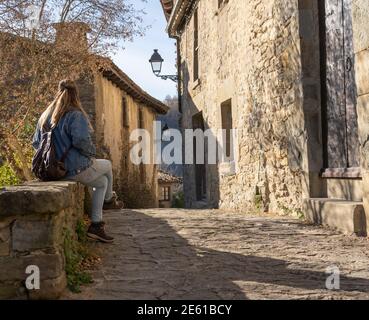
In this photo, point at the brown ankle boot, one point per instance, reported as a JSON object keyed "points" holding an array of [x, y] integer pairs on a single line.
{"points": [[96, 231], [113, 204]]}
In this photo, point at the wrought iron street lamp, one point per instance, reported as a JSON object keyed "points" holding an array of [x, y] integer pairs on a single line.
{"points": [[156, 64]]}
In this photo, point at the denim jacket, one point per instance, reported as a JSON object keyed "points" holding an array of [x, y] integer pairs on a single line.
{"points": [[72, 132]]}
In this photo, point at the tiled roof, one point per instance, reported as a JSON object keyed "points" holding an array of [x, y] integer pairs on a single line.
{"points": [[165, 177], [167, 7]]}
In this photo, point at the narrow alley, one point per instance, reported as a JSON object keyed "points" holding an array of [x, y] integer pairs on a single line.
{"points": [[184, 254]]}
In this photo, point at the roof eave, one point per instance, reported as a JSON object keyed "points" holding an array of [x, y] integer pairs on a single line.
{"points": [[178, 12], [118, 77], [167, 6]]}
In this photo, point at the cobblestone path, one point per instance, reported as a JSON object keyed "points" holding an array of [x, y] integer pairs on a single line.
{"points": [[180, 254]]}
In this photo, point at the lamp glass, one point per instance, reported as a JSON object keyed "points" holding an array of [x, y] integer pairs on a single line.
{"points": [[156, 67]]}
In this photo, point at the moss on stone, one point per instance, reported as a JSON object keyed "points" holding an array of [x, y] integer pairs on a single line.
{"points": [[76, 251]]}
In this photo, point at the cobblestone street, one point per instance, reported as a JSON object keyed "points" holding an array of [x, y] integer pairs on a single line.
{"points": [[179, 254]]}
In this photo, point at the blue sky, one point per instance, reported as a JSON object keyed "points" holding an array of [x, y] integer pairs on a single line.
{"points": [[134, 58]]}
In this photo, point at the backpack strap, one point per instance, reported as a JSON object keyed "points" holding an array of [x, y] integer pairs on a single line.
{"points": [[49, 128], [46, 127]]}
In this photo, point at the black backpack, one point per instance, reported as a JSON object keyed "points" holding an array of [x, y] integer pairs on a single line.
{"points": [[45, 165]]}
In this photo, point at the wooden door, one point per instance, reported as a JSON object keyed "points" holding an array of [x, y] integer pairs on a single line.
{"points": [[200, 169], [339, 90]]}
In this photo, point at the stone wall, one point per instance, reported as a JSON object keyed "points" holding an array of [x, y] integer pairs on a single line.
{"points": [[361, 44], [34, 220], [250, 52]]}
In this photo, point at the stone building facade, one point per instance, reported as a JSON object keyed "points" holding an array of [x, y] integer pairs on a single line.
{"points": [[291, 77], [117, 106], [169, 187]]}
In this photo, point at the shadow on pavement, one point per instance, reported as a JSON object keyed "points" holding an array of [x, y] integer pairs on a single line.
{"points": [[150, 260]]}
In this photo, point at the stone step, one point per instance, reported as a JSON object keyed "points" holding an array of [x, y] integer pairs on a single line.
{"points": [[200, 205], [346, 216]]}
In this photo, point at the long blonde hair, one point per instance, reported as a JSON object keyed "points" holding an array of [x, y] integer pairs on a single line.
{"points": [[67, 99]]}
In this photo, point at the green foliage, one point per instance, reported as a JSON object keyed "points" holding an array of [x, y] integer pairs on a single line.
{"points": [[7, 176], [300, 215], [28, 129], [292, 212], [285, 210], [258, 200], [81, 231], [178, 201], [76, 252]]}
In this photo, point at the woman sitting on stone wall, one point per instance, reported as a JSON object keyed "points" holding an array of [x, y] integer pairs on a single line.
{"points": [[72, 138]]}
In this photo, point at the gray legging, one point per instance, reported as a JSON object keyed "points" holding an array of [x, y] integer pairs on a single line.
{"points": [[100, 177]]}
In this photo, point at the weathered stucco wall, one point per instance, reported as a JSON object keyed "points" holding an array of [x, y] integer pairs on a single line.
{"points": [[137, 188], [35, 220], [250, 53]]}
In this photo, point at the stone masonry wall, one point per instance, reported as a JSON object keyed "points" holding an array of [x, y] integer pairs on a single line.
{"points": [[361, 46], [249, 53], [34, 220]]}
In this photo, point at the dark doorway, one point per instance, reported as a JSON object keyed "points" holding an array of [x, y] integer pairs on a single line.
{"points": [[200, 169], [227, 124], [340, 124]]}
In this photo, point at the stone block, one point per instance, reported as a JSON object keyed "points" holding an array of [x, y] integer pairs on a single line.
{"points": [[12, 291], [37, 198], [362, 72], [345, 189], [360, 24], [4, 248], [365, 187], [4, 234], [14, 268], [6, 222], [5, 241], [32, 220], [50, 289], [363, 121], [346, 216], [29, 235]]}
